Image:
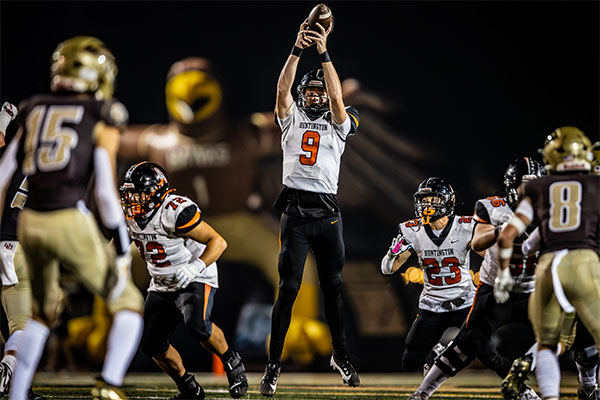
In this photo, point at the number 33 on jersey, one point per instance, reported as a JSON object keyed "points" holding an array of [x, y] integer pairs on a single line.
{"points": [[312, 149]]}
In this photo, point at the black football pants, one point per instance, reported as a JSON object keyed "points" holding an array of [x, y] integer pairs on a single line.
{"points": [[325, 238]]}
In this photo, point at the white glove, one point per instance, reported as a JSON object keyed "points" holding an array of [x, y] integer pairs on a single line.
{"points": [[187, 273], [10, 109], [7, 113], [503, 284], [123, 266], [399, 246]]}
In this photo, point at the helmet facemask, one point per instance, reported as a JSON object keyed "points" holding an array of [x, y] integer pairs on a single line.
{"points": [[312, 94], [431, 206], [314, 101], [142, 193]]}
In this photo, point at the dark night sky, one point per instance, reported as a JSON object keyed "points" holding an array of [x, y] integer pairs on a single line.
{"points": [[476, 83]]}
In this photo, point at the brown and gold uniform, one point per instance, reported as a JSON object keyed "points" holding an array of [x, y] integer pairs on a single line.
{"points": [[568, 271], [56, 153]]}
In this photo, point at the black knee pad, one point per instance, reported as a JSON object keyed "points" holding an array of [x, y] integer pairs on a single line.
{"points": [[584, 360], [412, 361], [452, 360], [200, 329]]}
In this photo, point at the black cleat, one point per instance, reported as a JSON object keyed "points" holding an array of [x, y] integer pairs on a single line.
{"points": [[268, 384], [236, 375], [514, 383], [346, 369], [31, 395], [189, 389], [588, 392]]}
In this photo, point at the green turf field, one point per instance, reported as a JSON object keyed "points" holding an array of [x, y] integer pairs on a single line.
{"points": [[292, 386]]}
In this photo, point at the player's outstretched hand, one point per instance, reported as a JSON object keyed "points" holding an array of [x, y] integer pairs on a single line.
{"points": [[301, 40], [399, 246], [319, 38], [10, 109], [503, 284]]}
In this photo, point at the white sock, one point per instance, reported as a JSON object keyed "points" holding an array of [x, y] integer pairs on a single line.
{"points": [[35, 335], [434, 379], [548, 374], [587, 376], [533, 351], [13, 341], [123, 340]]}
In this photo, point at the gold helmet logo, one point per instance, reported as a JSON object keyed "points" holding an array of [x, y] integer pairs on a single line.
{"points": [[192, 96], [83, 64], [567, 149]]}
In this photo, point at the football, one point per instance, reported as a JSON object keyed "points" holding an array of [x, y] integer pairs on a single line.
{"points": [[321, 14]]}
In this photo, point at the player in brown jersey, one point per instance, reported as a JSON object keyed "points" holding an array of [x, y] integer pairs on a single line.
{"points": [[568, 272], [63, 139]]}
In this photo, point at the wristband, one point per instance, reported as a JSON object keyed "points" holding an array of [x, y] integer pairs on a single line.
{"points": [[296, 51], [505, 254], [325, 57]]}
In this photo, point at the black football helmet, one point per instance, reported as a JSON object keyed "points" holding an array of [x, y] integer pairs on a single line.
{"points": [[432, 210], [315, 79], [521, 170], [144, 188]]}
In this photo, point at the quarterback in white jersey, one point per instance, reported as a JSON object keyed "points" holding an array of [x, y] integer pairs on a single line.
{"points": [[314, 129], [181, 252], [441, 241]]}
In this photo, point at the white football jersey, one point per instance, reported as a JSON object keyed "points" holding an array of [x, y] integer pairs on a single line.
{"points": [[448, 284], [494, 210], [312, 151], [164, 251]]}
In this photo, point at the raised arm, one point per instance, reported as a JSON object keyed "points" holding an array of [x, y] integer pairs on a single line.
{"points": [[284, 98], [332, 81], [399, 251]]}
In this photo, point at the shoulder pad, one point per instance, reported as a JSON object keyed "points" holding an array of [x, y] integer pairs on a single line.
{"points": [[171, 209]]}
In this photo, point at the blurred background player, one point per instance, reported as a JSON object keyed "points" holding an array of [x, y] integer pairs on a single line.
{"points": [[16, 288], [64, 138], [568, 271], [314, 132], [181, 251], [488, 313], [441, 241]]}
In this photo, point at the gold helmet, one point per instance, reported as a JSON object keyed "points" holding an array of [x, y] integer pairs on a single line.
{"points": [[83, 64], [596, 161], [567, 149], [192, 93]]}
